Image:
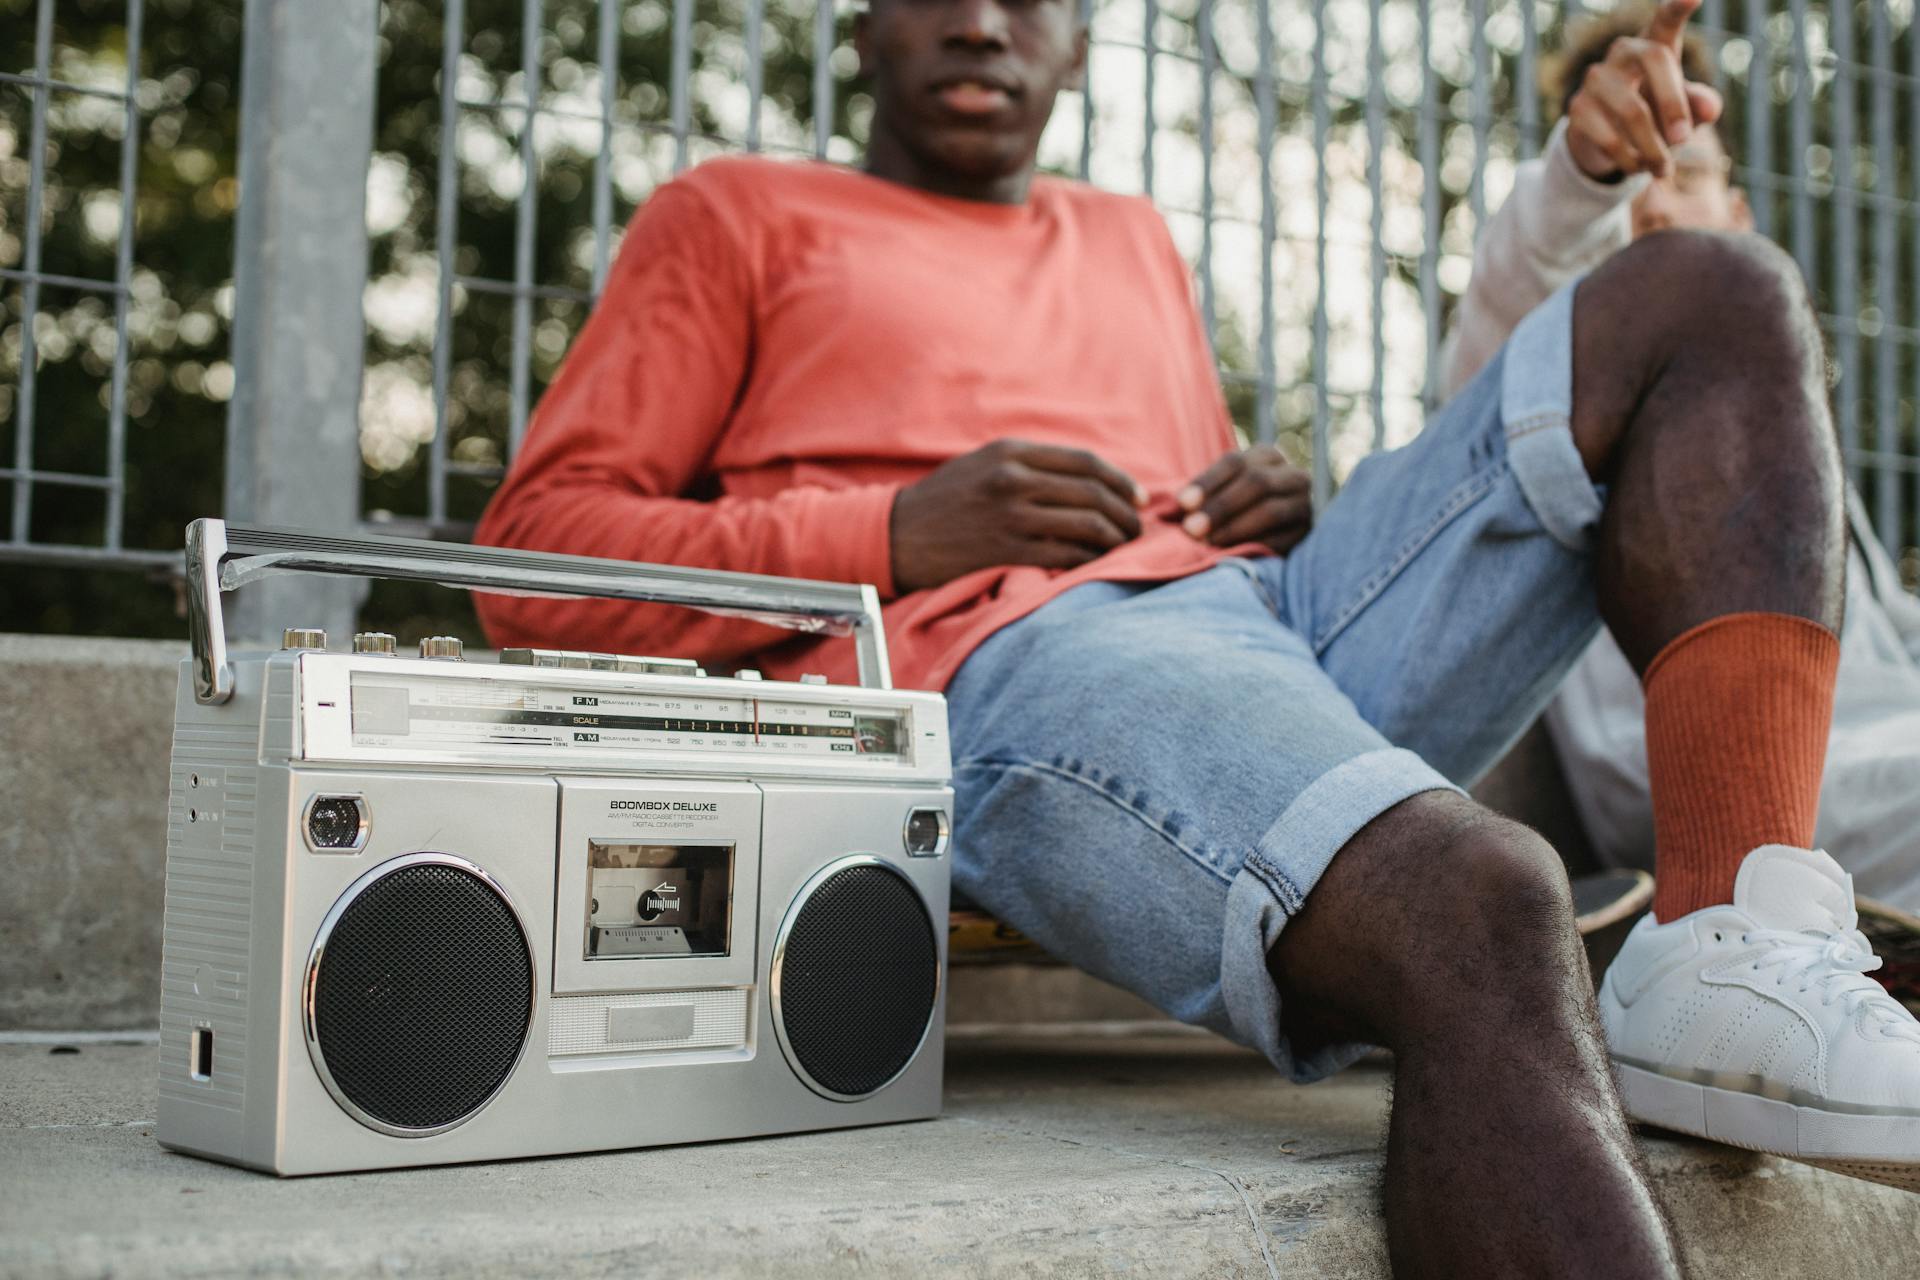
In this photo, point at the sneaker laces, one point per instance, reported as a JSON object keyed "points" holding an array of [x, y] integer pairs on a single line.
{"points": [[1836, 963]]}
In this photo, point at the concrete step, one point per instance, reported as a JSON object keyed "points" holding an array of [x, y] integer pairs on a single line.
{"points": [[1164, 1156], [88, 728]]}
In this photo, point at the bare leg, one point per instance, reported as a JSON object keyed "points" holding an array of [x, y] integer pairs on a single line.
{"points": [[1699, 393], [1446, 934], [1700, 398]]}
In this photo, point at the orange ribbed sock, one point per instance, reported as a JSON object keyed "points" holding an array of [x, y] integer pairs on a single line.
{"points": [[1738, 711]]}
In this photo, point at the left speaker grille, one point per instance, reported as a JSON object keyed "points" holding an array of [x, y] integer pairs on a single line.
{"points": [[422, 997]]}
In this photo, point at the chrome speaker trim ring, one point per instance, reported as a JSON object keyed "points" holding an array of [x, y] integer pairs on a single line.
{"points": [[800, 899], [310, 979]]}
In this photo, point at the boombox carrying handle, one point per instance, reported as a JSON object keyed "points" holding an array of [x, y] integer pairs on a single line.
{"points": [[223, 557]]}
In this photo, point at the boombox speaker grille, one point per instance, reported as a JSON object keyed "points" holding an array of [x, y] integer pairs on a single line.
{"points": [[856, 978], [420, 995]]}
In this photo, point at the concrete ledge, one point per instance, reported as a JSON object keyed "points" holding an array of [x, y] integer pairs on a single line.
{"points": [[1027, 993], [1171, 1156], [88, 726]]}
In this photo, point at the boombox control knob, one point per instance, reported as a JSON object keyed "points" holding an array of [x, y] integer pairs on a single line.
{"points": [[303, 638], [373, 642], [446, 648]]}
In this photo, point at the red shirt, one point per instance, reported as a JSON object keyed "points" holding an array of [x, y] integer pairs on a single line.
{"points": [[782, 347]]}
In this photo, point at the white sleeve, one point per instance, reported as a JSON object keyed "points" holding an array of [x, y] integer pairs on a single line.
{"points": [[1903, 609], [1883, 587], [1905, 612], [1556, 223]]}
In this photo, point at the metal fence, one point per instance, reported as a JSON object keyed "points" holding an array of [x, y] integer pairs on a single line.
{"points": [[1324, 165], [24, 477]]}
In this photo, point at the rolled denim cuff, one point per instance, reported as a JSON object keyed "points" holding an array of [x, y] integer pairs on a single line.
{"points": [[1536, 407], [1263, 896]]}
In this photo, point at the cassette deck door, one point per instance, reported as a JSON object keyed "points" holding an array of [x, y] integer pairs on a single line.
{"points": [[657, 885]]}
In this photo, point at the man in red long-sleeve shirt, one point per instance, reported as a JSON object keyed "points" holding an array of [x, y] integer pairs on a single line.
{"points": [[1199, 750]]}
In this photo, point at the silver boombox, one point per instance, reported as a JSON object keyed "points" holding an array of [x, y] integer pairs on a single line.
{"points": [[423, 910]]}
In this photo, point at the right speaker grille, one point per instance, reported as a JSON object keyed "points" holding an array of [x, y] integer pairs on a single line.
{"points": [[858, 978]]}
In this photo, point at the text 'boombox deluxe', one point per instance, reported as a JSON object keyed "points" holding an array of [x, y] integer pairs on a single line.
{"points": [[421, 910]]}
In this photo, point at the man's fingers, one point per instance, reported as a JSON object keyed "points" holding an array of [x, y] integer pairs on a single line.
{"points": [[1608, 139], [1705, 102], [1633, 121], [1669, 22], [1054, 555], [1251, 487], [1050, 489], [1226, 502], [1665, 86], [1598, 126], [1079, 462], [1590, 132], [1264, 520], [1081, 526], [1224, 469]]}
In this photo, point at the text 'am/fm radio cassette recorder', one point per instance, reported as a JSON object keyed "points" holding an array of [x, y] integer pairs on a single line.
{"points": [[423, 910]]}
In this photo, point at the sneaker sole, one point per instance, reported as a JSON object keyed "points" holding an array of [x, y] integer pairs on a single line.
{"points": [[1883, 1149]]}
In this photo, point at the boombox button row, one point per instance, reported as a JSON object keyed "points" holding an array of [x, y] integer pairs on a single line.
{"points": [[576, 660]]}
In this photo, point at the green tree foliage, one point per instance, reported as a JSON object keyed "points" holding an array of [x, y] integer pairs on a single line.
{"points": [[178, 310]]}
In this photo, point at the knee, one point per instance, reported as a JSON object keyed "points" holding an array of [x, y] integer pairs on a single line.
{"points": [[1506, 885], [1684, 319], [1493, 900], [1437, 910], [1738, 292]]}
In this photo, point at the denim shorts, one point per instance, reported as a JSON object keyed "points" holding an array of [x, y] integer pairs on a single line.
{"points": [[1151, 778]]}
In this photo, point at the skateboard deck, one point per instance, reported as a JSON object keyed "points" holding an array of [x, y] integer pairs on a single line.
{"points": [[1608, 897], [1895, 935], [974, 937]]}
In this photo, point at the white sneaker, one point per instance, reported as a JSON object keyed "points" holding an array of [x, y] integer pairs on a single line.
{"points": [[1755, 1024]]}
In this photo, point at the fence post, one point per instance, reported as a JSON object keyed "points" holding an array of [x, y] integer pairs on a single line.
{"points": [[300, 269]]}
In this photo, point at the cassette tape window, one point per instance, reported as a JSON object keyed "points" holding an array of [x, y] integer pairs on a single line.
{"points": [[648, 899]]}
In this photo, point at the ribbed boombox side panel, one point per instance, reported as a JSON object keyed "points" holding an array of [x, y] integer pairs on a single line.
{"points": [[207, 927]]}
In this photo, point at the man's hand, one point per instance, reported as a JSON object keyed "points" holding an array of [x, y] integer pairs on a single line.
{"points": [[1635, 105], [1252, 495], [1011, 503]]}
